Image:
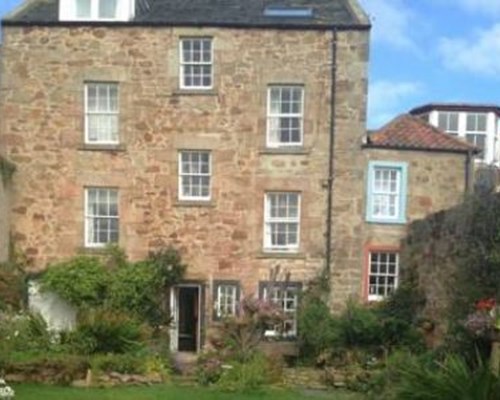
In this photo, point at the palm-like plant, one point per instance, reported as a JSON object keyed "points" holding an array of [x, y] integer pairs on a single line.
{"points": [[451, 380]]}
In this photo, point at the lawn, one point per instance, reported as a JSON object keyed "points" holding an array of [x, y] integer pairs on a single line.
{"points": [[39, 392]]}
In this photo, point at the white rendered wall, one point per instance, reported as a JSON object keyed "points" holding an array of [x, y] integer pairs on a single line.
{"points": [[59, 315]]}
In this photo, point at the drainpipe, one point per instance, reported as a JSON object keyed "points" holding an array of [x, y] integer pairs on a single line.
{"points": [[329, 211], [467, 185]]}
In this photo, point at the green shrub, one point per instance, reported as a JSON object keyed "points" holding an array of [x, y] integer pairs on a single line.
{"points": [[317, 328], [246, 376], [82, 281], [209, 368], [103, 330], [135, 288], [49, 368], [121, 363], [451, 380]]}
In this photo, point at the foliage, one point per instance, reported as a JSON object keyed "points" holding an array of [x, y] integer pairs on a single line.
{"points": [[102, 330], [134, 288], [82, 281], [24, 333], [121, 363], [112, 281], [452, 379], [317, 328], [13, 281], [245, 376], [7, 169], [456, 257], [371, 329], [209, 368]]}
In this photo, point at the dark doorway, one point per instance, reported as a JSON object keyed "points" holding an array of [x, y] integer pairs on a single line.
{"points": [[188, 318]]}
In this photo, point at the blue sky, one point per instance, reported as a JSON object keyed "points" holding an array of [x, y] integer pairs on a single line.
{"points": [[426, 51]]}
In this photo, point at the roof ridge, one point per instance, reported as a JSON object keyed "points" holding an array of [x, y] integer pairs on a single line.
{"points": [[409, 132]]}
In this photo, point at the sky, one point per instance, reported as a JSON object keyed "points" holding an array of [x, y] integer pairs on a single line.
{"points": [[425, 51]]}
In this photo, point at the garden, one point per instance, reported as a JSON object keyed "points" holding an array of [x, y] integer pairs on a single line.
{"points": [[436, 337]]}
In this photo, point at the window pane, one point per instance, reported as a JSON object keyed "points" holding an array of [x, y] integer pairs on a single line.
{"points": [[83, 8], [102, 221], [194, 174], [383, 274], [107, 9]]}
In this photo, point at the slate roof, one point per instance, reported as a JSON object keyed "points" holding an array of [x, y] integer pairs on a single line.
{"points": [[232, 13], [408, 132], [468, 107]]}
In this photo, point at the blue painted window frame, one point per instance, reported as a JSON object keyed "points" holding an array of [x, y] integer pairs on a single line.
{"points": [[402, 168]]}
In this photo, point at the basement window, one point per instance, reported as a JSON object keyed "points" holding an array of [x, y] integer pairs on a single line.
{"points": [[288, 12]]}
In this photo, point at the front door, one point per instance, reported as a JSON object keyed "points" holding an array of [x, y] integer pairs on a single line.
{"points": [[185, 302]]}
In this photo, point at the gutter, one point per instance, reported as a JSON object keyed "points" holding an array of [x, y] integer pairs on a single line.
{"points": [[331, 170], [192, 24]]}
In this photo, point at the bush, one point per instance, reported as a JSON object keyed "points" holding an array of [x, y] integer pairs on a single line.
{"points": [[103, 330], [209, 368], [82, 281], [121, 363], [451, 380], [140, 288], [134, 288], [246, 376], [318, 329]]}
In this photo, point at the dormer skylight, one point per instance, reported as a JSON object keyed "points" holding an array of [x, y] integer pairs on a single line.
{"points": [[96, 10], [288, 12]]}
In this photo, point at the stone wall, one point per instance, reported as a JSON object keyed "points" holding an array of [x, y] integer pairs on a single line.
{"points": [[42, 130]]}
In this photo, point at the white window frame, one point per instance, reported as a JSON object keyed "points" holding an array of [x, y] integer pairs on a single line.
{"points": [[268, 221], [109, 112], [182, 174], [183, 64], [476, 132], [448, 115], [94, 11], [396, 194], [223, 308], [290, 293], [89, 218], [382, 275], [273, 116]]}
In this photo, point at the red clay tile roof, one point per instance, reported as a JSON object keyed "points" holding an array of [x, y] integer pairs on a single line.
{"points": [[407, 132]]}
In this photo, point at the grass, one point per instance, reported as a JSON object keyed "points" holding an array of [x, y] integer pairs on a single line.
{"points": [[161, 392]]}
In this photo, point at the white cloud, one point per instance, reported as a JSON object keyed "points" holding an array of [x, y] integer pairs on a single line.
{"points": [[477, 54], [392, 22], [387, 99]]}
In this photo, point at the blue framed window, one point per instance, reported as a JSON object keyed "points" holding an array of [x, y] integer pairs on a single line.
{"points": [[387, 192]]}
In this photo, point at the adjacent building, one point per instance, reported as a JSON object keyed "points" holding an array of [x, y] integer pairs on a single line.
{"points": [[413, 170], [478, 124]]}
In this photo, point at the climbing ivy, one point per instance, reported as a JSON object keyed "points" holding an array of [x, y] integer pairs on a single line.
{"points": [[7, 169]]}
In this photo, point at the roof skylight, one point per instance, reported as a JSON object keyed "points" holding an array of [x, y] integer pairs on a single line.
{"points": [[288, 12]]}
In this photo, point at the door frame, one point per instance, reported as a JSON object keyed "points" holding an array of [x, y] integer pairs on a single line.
{"points": [[174, 310]]}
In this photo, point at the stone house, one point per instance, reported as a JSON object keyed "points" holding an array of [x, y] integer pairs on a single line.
{"points": [[413, 170], [478, 124], [233, 130], [228, 129]]}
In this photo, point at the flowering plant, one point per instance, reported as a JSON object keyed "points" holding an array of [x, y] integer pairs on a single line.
{"points": [[485, 320], [6, 392]]}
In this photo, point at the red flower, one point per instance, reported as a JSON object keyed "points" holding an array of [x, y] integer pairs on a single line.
{"points": [[486, 304]]}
